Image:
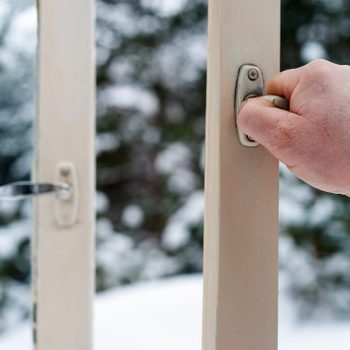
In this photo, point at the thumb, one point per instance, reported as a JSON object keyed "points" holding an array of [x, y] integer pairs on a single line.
{"points": [[274, 128]]}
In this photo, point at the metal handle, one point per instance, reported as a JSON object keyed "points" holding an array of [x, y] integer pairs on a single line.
{"points": [[250, 84], [23, 190], [65, 187], [278, 101]]}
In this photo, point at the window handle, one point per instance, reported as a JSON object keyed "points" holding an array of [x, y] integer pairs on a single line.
{"points": [[250, 84], [64, 187], [24, 189]]}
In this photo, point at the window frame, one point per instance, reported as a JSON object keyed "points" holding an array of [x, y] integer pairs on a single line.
{"points": [[63, 251], [241, 221], [241, 184]]}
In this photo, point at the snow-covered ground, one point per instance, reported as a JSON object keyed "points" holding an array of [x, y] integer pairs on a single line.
{"points": [[166, 315]]}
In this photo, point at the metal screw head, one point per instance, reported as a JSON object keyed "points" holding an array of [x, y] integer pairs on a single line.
{"points": [[65, 170], [253, 74]]}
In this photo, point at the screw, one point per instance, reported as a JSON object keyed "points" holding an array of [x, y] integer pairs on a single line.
{"points": [[65, 170], [253, 74]]}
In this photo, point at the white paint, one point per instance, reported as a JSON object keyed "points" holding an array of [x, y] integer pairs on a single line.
{"points": [[63, 257]]}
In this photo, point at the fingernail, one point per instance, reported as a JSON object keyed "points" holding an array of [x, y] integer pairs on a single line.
{"points": [[242, 105]]}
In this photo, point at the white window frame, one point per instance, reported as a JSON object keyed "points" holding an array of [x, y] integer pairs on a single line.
{"points": [[63, 247], [241, 221]]}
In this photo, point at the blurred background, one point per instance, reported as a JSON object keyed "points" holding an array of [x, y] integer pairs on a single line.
{"points": [[151, 76]]}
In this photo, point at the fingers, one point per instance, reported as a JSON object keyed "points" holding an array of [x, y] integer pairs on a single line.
{"points": [[284, 83], [274, 128]]}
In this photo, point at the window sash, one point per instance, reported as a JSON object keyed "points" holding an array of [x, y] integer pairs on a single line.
{"points": [[63, 256], [241, 221]]}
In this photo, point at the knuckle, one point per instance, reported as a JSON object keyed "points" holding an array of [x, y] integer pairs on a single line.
{"points": [[319, 69]]}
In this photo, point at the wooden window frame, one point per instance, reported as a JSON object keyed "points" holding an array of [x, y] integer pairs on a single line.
{"points": [[63, 254], [241, 220]]}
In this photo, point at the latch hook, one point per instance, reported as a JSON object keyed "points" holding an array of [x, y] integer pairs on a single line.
{"points": [[250, 84], [65, 187]]}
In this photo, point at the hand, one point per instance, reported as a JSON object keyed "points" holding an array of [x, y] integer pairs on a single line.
{"points": [[313, 138]]}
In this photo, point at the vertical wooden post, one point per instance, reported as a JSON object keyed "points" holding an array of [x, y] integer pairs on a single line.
{"points": [[241, 224], [63, 258]]}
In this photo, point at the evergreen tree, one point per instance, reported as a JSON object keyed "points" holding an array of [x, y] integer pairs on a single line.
{"points": [[17, 87]]}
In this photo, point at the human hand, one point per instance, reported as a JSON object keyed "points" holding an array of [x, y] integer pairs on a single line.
{"points": [[313, 138]]}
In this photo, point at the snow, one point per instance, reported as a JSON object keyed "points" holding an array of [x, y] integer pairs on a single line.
{"points": [[166, 314], [313, 50], [177, 234], [119, 259], [106, 142], [175, 161], [165, 8], [131, 96], [23, 31], [11, 236], [144, 316], [176, 155], [149, 316], [133, 216]]}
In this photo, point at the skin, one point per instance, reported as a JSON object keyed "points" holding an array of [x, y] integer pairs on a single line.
{"points": [[313, 138]]}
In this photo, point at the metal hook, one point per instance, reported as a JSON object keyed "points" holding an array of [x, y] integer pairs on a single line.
{"points": [[24, 189], [250, 84]]}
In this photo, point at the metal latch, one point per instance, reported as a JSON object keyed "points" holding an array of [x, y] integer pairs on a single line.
{"points": [[66, 211], [65, 188], [250, 84], [25, 189]]}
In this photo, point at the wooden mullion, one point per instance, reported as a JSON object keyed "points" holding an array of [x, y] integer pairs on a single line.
{"points": [[241, 221]]}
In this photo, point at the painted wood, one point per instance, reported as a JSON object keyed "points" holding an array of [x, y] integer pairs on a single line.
{"points": [[63, 257], [241, 221]]}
